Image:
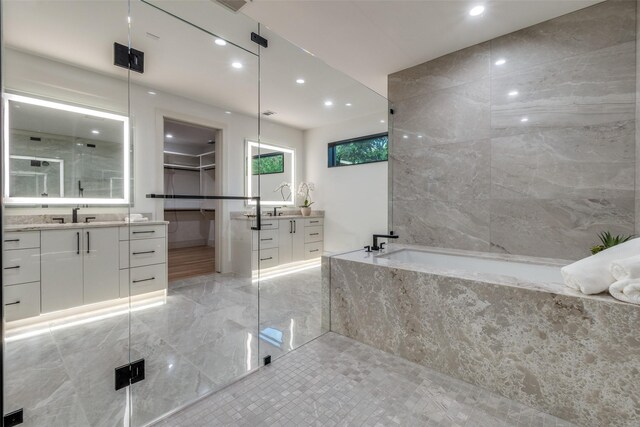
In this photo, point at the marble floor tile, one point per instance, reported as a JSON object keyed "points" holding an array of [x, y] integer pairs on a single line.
{"points": [[336, 381], [204, 337]]}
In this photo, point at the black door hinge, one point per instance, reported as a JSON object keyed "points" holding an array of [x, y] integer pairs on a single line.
{"points": [[256, 38], [13, 419], [129, 374], [131, 59]]}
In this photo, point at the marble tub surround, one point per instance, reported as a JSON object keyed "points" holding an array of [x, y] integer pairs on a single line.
{"points": [[546, 346], [533, 156]]}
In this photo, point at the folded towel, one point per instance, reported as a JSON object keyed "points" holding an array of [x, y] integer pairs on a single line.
{"points": [[627, 290], [627, 268], [592, 275]]}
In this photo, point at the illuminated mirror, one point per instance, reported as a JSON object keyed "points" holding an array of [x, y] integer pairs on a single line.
{"points": [[62, 154], [274, 168]]}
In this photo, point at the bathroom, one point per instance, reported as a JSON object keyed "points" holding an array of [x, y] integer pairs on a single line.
{"points": [[216, 214]]}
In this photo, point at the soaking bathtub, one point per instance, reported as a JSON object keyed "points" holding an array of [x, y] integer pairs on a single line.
{"points": [[506, 323]]}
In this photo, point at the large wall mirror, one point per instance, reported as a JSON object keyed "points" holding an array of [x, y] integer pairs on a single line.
{"points": [[62, 154], [274, 166]]}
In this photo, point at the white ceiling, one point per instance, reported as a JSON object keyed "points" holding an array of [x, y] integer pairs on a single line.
{"points": [[369, 40], [183, 60]]}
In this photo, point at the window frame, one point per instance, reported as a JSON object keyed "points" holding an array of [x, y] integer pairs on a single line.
{"points": [[331, 150]]}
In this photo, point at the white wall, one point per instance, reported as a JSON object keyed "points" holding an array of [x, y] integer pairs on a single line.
{"points": [[354, 198], [42, 77]]}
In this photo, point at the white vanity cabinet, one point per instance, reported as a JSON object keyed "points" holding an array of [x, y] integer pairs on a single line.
{"points": [[143, 259], [292, 240], [285, 240], [21, 274], [61, 269], [79, 266], [100, 264]]}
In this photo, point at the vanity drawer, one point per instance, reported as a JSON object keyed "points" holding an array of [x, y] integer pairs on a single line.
{"points": [[268, 239], [21, 301], [143, 252], [135, 232], [313, 222], [312, 250], [21, 266], [268, 223], [268, 258], [21, 240], [313, 234], [145, 279]]}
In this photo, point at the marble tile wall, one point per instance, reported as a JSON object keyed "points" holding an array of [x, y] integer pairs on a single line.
{"points": [[570, 356], [541, 172]]}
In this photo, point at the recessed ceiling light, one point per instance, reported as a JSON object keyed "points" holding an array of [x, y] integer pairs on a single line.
{"points": [[227, 112], [169, 135], [151, 92], [95, 132], [513, 93], [236, 65], [348, 104], [524, 119], [220, 42], [501, 61], [381, 121], [405, 136], [300, 81], [419, 136], [477, 10], [328, 103]]}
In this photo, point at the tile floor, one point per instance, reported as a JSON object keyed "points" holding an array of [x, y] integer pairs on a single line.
{"points": [[336, 381], [205, 336]]}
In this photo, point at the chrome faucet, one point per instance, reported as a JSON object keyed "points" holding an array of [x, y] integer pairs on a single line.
{"points": [[375, 246]]}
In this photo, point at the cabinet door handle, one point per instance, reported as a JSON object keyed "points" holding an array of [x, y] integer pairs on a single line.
{"points": [[12, 240], [88, 242], [13, 303], [290, 226], [12, 268], [144, 280], [314, 234], [313, 222], [295, 227], [270, 238], [266, 259], [314, 250], [144, 252], [78, 243], [142, 232]]}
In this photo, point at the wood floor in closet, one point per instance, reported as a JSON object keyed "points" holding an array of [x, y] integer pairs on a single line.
{"points": [[190, 262]]}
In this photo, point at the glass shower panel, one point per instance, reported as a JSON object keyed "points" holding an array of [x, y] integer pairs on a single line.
{"points": [[193, 111], [304, 106], [66, 176]]}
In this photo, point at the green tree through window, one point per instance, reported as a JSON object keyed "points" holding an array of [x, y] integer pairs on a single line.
{"points": [[267, 163], [356, 151]]}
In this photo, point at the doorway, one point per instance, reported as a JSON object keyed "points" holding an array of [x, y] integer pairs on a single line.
{"points": [[189, 168]]}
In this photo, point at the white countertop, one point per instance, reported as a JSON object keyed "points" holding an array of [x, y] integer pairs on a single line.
{"points": [[71, 225]]}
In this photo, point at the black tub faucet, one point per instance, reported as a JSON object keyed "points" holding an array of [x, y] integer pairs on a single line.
{"points": [[375, 246]]}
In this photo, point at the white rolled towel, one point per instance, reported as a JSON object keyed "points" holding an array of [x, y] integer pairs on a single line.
{"points": [[627, 290], [627, 268], [592, 275]]}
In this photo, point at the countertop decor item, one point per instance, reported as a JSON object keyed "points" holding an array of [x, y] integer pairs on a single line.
{"points": [[284, 186], [305, 190], [607, 240]]}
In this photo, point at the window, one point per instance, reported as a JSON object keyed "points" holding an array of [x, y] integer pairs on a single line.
{"points": [[264, 164], [357, 151]]}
